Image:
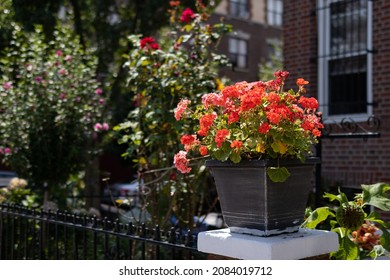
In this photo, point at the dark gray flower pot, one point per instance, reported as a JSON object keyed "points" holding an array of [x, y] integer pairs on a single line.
{"points": [[251, 203]]}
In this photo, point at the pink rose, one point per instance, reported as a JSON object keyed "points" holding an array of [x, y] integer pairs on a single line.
{"points": [[97, 127], [7, 85], [105, 126]]}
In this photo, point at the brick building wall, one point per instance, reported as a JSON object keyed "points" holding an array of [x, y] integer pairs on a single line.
{"points": [[300, 42], [347, 162]]}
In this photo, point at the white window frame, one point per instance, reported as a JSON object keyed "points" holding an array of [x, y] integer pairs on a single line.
{"points": [[324, 57], [241, 13], [240, 36], [274, 16]]}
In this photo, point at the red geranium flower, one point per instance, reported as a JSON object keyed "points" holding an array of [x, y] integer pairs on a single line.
{"points": [[221, 137], [203, 150], [205, 123], [255, 120]]}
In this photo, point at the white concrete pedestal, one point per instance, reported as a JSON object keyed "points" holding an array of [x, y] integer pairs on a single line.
{"points": [[290, 246]]}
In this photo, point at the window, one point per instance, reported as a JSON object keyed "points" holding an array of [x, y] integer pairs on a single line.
{"points": [[345, 57], [239, 8], [238, 52], [274, 12]]}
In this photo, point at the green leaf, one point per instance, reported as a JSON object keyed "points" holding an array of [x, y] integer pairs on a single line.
{"points": [[385, 237], [348, 250], [221, 155], [278, 174], [279, 147], [187, 27], [235, 157], [317, 216], [375, 218], [376, 195], [341, 197]]}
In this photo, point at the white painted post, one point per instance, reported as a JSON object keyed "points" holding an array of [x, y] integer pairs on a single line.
{"points": [[289, 246]]}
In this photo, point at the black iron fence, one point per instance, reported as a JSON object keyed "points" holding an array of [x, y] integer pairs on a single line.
{"points": [[44, 234]]}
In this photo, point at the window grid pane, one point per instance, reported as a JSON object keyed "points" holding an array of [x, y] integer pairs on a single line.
{"points": [[238, 8], [347, 63], [275, 12], [238, 52]]}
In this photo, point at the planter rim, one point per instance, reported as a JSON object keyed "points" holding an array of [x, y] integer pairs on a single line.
{"points": [[262, 162]]}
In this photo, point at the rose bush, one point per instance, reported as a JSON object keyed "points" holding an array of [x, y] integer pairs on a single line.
{"points": [[257, 120], [161, 71]]}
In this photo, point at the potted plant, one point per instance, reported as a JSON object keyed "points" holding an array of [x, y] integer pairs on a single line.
{"points": [[259, 138]]}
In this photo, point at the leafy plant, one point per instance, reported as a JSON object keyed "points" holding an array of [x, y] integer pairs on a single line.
{"points": [[17, 192], [161, 72], [51, 107], [361, 235], [247, 121]]}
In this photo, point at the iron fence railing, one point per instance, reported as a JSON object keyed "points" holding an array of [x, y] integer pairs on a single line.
{"points": [[45, 234]]}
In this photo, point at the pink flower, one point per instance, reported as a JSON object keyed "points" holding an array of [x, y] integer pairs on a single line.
{"points": [[101, 101], [105, 126], [181, 107], [62, 96], [97, 127], [211, 99], [7, 151], [281, 74], [68, 58], [187, 15], [38, 79], [98, 91], [59, 53], [7, 85], [62, 71], [181, 162]]}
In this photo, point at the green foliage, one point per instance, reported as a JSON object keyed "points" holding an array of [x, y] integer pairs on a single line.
{"points": [[370, 238], [278, 174], [376, 195], [6, 15], [159, 75], [18, 193], [267, 68], [51, 107]]}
